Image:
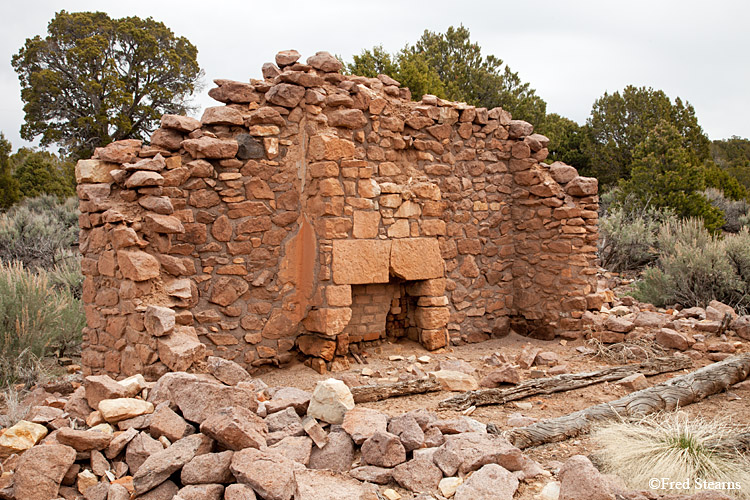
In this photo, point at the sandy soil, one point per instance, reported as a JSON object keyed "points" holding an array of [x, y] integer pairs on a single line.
{"points": [[734, 404]]}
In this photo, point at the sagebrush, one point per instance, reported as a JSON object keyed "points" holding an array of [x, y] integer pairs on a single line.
{"points": [[36, 319], [695, 267], [40, 232], [628, 237]]}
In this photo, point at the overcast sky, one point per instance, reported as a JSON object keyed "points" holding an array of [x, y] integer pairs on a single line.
{"points": [[570, 51]]}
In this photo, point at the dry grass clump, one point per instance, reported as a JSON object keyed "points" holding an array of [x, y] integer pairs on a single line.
{"points": [[623, 352], [686, 451]]}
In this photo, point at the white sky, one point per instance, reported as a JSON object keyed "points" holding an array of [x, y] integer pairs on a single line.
{"points": [[570, 51]]}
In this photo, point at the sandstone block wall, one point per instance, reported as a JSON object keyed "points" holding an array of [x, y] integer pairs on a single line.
{"points": [[314, 210]]}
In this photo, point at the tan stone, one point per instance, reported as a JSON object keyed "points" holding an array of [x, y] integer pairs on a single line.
{"points": [[416, 259], [455, 381], [347, 118], [361, 261], [366, 224], [285, 94], [313, 345], [330, 321], [339, 295], [330, 187], [230, 91], [221, 229], [433, 339], [324, 61], [432, 317], [181, 348], [209, 147], [399, 229], [263, 130], [182, 123], [94, 171], [137, 265], [114, 410], [159, 320], [287, 57], [329, 147], [20, 437], [221, 115], [165, 224], [582, 186], [120, 151], [144, 178], [227, 290]]}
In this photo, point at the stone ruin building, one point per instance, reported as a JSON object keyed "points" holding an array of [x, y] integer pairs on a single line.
{"points": [[314, 211]]}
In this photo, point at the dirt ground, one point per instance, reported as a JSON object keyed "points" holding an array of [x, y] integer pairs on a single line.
{"points": [[734, 404]]}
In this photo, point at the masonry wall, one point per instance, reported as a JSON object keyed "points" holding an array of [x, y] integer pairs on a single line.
{"points": [[244, 234]]}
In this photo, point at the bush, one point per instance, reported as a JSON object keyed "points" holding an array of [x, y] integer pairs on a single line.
{"points": [[39, 232], [36, 319], [627, 238], [736, 213], [675, 447], [695, 267]]}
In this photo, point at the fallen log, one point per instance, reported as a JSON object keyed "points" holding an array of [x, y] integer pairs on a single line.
{"points": [[559, 383], [377, 392], [676, 392]]}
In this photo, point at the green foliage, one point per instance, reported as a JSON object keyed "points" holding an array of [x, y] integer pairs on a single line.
{"points": [[628, 236], [620, 122], [42, 173], [451, 66], [695, 267], [566, 140], [667, 174], [94, 79], [733, 156], [718, 178], [9, 194], [39, 232], [35, 319]]}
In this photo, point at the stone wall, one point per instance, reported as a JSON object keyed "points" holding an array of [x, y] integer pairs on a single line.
{"points": [[245, 234]]}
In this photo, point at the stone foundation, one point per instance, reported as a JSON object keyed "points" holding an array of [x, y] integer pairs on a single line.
{"points": [[314, 210]]}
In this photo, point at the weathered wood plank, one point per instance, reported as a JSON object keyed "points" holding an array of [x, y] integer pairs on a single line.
{"points": [[377, 392], [559, 383], [674, 393]]}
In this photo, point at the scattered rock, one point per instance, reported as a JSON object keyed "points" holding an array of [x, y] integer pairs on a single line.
{"points": [[635, 382], [270, 474], [579, 479], [337, 455], [329, 485], [383, 449], [505, 374], [208, 468], [372, 474], [408, 431], [114, 410], [418, 475], [455, 381], [226, 370], [159, 466], [330, 401], [672, 339], [20, 437], [361, 423], [40, 471], [491, 482], [236, 428]]}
